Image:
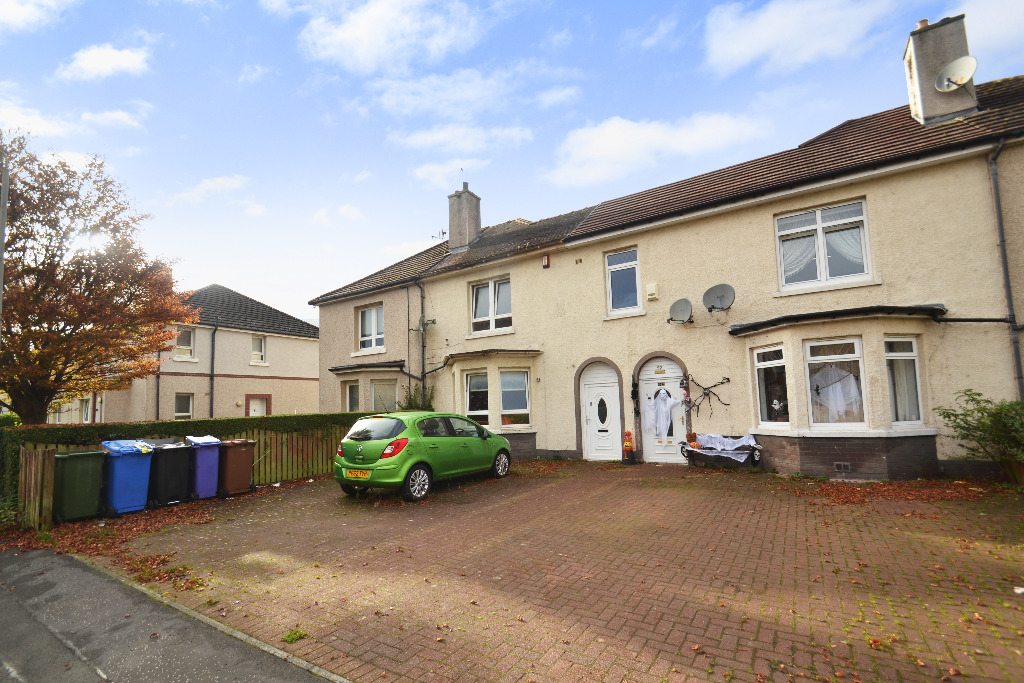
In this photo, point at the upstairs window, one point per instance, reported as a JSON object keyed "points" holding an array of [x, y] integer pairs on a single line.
{"points": [[371, 327], [823, 245], [492, 305], [259, 346], [183, 347], [623, 281]]}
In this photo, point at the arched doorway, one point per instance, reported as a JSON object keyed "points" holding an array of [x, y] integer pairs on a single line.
{"points": [[601, 412], [662, 373]]}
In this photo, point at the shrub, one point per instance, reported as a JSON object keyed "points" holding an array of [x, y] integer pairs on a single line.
{"points": [[989, 431], [417, 398]]}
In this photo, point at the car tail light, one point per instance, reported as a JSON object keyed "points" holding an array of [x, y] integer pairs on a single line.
{"points": [[341, 451], [394, 448]]}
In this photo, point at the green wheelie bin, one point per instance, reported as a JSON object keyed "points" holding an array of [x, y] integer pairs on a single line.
{"points": [[77, 485]]}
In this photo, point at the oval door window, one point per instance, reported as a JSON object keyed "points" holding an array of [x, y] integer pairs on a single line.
{"points": [[602, 411]]}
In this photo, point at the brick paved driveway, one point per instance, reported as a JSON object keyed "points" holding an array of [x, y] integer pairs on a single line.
{"points": [[648, 573]]}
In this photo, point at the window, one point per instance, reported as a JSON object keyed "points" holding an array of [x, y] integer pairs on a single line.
{"points": [[623, 281], [463, 427], [834, 379], [385, 395], [901, 366], [259, 346], [83, 410], [822, 245], [371, 327], [772, 399], [433, 427], [476, 397], [492, 305], [515, 398], [352, 397], [184, 348], [183, 406]]}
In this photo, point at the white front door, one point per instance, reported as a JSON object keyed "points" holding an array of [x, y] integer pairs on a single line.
{"points": [[662, 373], [257, 407], [601, 413]]}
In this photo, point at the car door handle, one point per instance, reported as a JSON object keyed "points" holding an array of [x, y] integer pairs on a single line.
{"points": [[433, 446]]}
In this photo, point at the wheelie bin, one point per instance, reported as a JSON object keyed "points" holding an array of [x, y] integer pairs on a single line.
{"points": [[126, 482], [236, 460], [77, 485], [169, 472], [205, 462]]}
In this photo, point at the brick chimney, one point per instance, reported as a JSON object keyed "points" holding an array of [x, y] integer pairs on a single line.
{"points": [[463, 219], [930, 48]]}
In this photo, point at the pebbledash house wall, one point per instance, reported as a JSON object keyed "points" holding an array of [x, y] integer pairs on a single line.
{"points": [[923, 249], [339, 346], [288, 377]]}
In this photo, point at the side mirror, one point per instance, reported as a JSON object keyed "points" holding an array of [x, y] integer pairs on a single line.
{"points": [[486, 435]]}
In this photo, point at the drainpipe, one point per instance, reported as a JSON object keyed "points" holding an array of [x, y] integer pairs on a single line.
{"points": [[158, 366], [1011, 318], [213, 359], [423, 338]]}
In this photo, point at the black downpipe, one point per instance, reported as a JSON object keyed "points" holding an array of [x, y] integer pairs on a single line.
{"points": [[423, 338], [1011, 318], [213, 359], [158, 366]]}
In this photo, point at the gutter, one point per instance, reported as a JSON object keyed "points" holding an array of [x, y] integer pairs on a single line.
{"points": [[1007, 288]]}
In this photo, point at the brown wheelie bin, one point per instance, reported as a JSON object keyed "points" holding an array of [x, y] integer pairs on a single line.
{"points": [[235, 473]]}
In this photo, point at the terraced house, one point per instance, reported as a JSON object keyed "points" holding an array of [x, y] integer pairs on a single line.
{"points": [[872, 273]]}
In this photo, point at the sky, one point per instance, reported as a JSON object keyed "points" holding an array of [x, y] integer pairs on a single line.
{"points": [[285, 148]]}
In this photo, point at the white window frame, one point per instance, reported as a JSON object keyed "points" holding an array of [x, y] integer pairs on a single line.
{"points": [[492, 318], [608, 270], [911, 355], [818, 230], [517, 411], [373, 394], [857, 355], [374, 339], [757, 379], [185, 351], [476, 414], [258, 357], [349, 386], [85, 410], [191, 407]]}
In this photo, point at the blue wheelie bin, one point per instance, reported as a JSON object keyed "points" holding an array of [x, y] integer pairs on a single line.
{"points": [[205, 465], [126, 483]]}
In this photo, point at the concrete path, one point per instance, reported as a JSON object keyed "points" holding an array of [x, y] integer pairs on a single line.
{"points": [[63, 620]]}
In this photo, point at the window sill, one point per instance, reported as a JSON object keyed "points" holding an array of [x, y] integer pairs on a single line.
{"points": [[859, 432], [825, 287], [369, 352], [262, 364], [185, 359], [628, 313], [491, 333], [513, 429]]}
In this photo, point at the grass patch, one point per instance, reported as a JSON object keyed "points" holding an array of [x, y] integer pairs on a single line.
{"points": [[294, 636]]}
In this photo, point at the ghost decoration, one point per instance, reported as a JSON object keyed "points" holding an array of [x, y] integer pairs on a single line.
{"points": [[658, 412]]}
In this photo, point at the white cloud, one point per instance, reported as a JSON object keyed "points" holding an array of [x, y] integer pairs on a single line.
{"points": [[17, 117], [251, 73], [349, 212], [617, 147], [251, 208], [382, 35], [443, 175], [562, 94], [465, 139], [361, 176], [346, 212], [25, 15], [457, 96], [787, 34], [992, 25], [100, 61], [647, 38], [210, 186], [559, 39], [116, 118], [75, 160], [132, 151]]}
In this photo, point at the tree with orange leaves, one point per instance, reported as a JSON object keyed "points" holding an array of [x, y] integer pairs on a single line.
{"points": [[84, 308]]}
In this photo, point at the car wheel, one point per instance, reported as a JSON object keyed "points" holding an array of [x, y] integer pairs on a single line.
{"points": [[350, 490], [417, 484], [501, 465]]}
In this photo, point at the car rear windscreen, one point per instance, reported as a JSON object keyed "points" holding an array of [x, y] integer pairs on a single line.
{"points": [[375, 428]]}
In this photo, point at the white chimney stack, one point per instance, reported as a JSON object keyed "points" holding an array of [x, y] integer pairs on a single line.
{"points": [[930, 48], [463, 219]]}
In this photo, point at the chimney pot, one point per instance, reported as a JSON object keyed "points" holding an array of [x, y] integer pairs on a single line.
{"points": [[465, 186], [922, 23]]}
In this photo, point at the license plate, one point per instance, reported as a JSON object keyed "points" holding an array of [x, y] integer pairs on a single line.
{"points": [[358, 474]]}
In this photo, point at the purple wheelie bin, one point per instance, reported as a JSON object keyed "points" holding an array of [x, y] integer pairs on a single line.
{"points": [[205, 464]]}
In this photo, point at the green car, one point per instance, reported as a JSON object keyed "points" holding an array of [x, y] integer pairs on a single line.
{"points": [[410, 450]]}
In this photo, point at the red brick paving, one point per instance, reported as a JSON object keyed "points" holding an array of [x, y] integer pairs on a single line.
{"points": [[649, 573]]}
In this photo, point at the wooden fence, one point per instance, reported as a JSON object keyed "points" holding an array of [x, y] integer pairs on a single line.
{"points": [[278, 456], [35, 488]]}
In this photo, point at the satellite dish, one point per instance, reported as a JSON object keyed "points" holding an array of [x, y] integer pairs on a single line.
{"points": [[956, 74], [681, 312], [719, 298]]}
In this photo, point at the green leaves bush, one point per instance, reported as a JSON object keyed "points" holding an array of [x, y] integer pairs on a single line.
{"points": [[988, 430]]}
